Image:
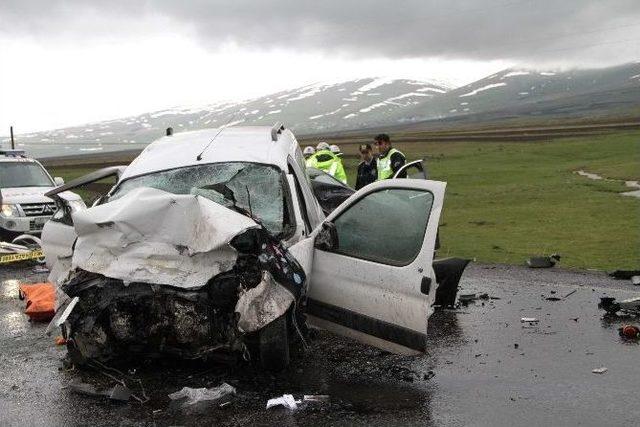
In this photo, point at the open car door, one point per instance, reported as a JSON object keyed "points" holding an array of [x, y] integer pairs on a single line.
{"points": [[372, 276], [413, 170]]}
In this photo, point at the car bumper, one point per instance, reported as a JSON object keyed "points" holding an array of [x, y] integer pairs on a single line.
{"points": [[23, 225]]}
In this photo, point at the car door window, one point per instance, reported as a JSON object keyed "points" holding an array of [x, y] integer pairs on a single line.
{"points": [[386, 226]]}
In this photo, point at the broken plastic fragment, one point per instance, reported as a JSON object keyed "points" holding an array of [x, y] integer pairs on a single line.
{"points": [[286, 401], [529, 320], [191, 396], [600, 370], [322, 398]]}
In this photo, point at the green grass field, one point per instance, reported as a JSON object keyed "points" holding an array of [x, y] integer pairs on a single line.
{"points": [[507, 201]]}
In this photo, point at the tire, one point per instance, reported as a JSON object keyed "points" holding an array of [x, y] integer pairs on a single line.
{"points": [[273, 345]]}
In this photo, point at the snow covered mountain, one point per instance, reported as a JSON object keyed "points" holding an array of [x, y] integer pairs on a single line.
{"points": [[310, 109], [370, 103], [528, 93]]}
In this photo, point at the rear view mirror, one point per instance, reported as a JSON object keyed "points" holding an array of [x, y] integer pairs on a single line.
{"points": [[58, 181], [327, 238]]}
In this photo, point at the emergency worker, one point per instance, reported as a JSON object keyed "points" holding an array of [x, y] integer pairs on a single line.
{"points": [[335, 150], [308, 151], [328, 162], [389, 159]]}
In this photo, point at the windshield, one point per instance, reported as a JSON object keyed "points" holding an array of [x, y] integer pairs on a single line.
{"points": [[23, 174], [246, 187]]}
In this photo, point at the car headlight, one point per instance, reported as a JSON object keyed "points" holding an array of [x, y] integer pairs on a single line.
{"points": [[9, 210], [76, 205]]}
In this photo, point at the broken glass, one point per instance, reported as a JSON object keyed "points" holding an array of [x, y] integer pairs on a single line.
{"points": [[250, 188]]}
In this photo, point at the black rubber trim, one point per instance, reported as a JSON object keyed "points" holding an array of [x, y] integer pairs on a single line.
{"points": [[368, 325]]}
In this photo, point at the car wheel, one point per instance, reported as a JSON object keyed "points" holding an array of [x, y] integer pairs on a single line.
{"points": [[274, 345]]}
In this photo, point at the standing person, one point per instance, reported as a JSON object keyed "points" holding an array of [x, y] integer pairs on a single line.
{"points": [[328, 162], [389, 159], [335, 150], [367, 171], [308, 151]]}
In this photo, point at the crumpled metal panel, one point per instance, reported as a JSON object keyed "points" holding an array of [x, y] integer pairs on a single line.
{"points": [[152, 236], [263, 304]]}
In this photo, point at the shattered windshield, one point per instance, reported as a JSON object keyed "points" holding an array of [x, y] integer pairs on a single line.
{"points": [[246, 187], [23, 174]]}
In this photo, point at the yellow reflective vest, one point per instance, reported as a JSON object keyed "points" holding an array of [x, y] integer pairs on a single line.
{"points": [[384, 165], [328, 162]]}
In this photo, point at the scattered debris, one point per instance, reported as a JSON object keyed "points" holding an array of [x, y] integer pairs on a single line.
{"points": [[466, 298], [570, 293], [40, 269], [289, 402], [624, 274], [629, 331], [191, 396], [635, 280], [628, 306], [601, 370], [320, 398], [553, 299], [529, 320], [118, 392], [543, 261], [286, 401]]}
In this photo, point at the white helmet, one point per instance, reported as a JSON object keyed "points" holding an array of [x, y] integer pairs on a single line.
{"points": [[308, 150], [322, 146], [335, 149]]}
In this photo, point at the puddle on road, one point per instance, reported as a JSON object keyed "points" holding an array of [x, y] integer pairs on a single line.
{"points": [[630, 184], [377, 397]]}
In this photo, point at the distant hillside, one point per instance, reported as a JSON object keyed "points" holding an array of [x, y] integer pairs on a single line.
{"points": [[373, 103], [310, 109], [515, 93]]}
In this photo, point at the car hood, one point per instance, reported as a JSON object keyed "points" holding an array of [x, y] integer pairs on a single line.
{"points": [[25, 195], [152, 236]]}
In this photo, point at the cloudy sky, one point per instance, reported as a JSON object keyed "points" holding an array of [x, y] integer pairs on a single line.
{"points": [[68, 62]]}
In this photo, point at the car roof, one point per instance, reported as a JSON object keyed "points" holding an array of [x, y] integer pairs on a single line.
{"points": [[233, 144]]}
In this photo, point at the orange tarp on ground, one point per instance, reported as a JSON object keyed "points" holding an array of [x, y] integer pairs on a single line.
{"points": [[41, 300]]}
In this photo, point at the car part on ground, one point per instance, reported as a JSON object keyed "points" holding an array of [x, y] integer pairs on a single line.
{"points": [[448, 273], [627, 306]]}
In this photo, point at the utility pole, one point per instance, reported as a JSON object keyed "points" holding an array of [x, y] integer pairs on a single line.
{"points": [[13, 143]]}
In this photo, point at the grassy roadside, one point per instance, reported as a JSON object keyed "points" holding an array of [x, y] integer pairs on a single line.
{"points": [[506, 201]]}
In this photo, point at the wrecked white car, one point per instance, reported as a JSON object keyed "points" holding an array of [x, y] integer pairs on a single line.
{"points": [[214, 240]]}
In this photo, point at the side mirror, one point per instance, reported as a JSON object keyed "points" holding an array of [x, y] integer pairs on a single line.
{"points": [[58, 181], [327, 238]]}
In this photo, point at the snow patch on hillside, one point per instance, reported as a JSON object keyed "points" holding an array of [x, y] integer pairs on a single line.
{"points": [[515, 73], [482, 89]]}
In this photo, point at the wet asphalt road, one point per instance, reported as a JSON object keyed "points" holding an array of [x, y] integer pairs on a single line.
{"points": [[473, 374]]}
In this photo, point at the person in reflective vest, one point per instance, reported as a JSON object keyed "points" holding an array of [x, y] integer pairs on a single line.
{"points": [[389, 159], [328, 162], [308, 151]]}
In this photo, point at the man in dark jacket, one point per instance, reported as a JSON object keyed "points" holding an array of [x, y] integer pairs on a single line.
{"points": [[367, 172]]}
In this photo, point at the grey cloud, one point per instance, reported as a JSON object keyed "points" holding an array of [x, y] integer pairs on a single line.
{"points": [[572, 31]]}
